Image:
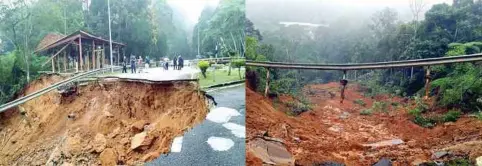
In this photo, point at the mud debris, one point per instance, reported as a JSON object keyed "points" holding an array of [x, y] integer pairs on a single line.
{"points": [[316, 130]]}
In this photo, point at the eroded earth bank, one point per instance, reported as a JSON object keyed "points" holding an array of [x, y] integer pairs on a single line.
{"points": [[106, 123]]}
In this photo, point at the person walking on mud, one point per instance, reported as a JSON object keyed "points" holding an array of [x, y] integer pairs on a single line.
{"points": [[133, 64], [124, 65]]}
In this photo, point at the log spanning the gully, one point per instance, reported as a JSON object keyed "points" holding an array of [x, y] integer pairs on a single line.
{"points": [[428, 62]]}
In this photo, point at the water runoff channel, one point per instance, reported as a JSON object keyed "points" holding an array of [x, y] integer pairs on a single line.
{"points": [[219, 139]]}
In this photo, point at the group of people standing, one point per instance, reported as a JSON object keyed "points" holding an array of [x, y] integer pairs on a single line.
{"points": [[178, 63], [134, 62]]}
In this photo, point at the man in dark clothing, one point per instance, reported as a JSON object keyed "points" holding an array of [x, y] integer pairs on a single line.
{"points": [[181, 62], [174, 63], [133, 64], [124, 65]]}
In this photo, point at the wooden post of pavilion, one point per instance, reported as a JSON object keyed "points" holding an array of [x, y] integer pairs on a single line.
{"points": [[118, 55], [53, 65], [65, 61], [103, 55], [87, 60], [58, 63], [80, 54], [93, 54]]}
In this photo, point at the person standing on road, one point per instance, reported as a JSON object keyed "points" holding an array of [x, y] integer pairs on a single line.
{"points": [[174, 63], [147, 62], [124, 65], [181, 62], [133, 64], [166, 63], [139, 62]]}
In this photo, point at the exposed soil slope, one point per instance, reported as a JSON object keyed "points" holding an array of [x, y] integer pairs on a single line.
{"points": [[111, 123], [337, 132]]}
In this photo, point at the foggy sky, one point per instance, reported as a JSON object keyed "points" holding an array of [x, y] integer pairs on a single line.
{"points": [[325, 11]]}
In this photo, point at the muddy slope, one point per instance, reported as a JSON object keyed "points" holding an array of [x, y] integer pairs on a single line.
{"points": [[337, 132], [111, 123]]}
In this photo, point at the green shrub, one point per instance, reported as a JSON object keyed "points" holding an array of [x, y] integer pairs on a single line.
{"points": [[451, 116], [424, 121], [203, 65], [360, 102], [298, 107], [238, 63], [415, 112], [366, 112]]}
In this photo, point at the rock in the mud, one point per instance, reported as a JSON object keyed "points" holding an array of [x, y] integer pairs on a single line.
{"points": [[383, 162], [271, 152], [141, 139], [139, 126], [108, 114], [439, 154], [99, 143], [417, 162], [384, 143], [108, 157], [335, 128], [478, 161], [344, 115]]}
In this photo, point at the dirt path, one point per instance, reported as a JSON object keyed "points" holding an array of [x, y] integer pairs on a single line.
{"points": [[113, 123], [337, 132]]}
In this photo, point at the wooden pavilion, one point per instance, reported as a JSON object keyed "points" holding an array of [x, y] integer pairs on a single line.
{"points": [[78, 52]]}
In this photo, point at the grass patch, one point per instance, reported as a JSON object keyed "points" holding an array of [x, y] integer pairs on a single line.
{"points": [[380, 106], [360, 102], [219, 77], [366, 112], [479, 115]]}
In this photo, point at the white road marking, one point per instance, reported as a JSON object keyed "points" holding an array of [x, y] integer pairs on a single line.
{"points": [[222, 114], [238, 130], [176, 144], [220, 144]]}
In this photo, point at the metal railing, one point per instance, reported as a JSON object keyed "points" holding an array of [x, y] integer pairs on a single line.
{"points": [[377, 65], [38, 93]]}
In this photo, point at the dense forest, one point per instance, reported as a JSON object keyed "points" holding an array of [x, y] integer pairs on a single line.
{"points": [[445, 30], [149, 28]]}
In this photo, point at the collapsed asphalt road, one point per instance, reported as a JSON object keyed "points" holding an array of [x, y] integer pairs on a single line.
{"points": [[219, 140]]}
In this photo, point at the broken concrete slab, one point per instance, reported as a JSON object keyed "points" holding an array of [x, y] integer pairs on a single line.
{"points": [[137, 140], [439, 154], [271, 152], [141, 140]]}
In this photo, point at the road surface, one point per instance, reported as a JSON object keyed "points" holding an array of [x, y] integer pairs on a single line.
{"points": [[159, 74], [219, 140]]}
